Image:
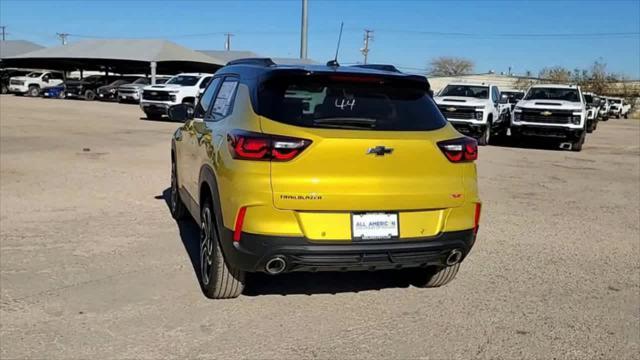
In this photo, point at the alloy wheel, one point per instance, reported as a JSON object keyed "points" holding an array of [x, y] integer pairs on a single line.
{"points": [[206, 246]]}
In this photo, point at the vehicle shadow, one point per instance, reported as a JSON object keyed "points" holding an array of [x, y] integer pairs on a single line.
{"points": [[303, 283], [534, 144]]}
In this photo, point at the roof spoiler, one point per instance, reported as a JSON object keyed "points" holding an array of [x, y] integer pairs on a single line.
{"points": [[252, 61], [383, 67]]}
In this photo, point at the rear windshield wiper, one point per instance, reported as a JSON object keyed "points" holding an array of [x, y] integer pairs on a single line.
{"points": [[346, 122]]}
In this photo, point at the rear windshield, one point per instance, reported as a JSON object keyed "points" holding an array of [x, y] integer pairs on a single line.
{"points": [[348, 102], [479, 92], [565, 94]]}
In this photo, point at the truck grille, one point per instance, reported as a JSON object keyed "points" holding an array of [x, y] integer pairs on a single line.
{"points": [[458, 112], [547, 116], [155, 95]]}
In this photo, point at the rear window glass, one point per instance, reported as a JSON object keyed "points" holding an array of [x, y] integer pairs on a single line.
{"points": [[479, 92], [345, 102]]}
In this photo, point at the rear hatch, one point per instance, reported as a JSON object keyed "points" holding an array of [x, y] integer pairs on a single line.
{"points": [[373, 144]]}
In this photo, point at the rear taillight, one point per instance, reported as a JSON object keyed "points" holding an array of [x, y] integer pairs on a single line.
{"points": [[245, 145], [460, 150]]}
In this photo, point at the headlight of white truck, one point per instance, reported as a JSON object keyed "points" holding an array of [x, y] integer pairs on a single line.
{"points": [[576, 118], [517, 114]]}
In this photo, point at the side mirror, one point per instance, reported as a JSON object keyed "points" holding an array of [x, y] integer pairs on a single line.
{"points": [[180, 112]]}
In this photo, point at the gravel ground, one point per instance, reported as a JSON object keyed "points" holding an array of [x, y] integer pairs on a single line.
{"points": [[93, 265]]}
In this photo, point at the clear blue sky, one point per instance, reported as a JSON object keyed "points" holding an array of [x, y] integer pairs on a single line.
{"points": [[271, 28]]}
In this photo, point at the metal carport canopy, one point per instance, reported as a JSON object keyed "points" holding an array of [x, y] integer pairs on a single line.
{"points": [[124, 56]]}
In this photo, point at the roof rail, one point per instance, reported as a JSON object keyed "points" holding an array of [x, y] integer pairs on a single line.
{"points": [[383, 67], [252, 61]]}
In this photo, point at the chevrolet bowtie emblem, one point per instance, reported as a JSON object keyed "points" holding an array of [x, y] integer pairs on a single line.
{"points": [[546, 113], [451, 109], [380, 150]]}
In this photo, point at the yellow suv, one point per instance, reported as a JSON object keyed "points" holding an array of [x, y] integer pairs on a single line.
{"points": [[316, 168]]}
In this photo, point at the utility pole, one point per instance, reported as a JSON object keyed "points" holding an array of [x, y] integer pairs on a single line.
{"points": [[304, 29], [3, 32], [227, 43], [63, 37], [368, 36]]}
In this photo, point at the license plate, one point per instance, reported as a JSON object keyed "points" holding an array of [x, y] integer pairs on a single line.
{"points": [[368, 226], [46, 94]]}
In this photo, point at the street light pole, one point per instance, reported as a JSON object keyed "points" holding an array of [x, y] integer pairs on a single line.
{"points": [[304, 30]]}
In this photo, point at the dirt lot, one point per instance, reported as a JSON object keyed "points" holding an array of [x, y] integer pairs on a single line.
{"points": [[93, 265]]}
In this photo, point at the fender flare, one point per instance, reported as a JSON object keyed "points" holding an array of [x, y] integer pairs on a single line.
{"points": [[208, 178]]}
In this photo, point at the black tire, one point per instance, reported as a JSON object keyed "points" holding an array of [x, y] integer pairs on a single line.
{"points": [[577, 144], [34, 91], [626, 116], [485, 138], [435, 277], [178, 210], [89, 95], [590, 127], [217, 279], [605, 118], [4, 89]]}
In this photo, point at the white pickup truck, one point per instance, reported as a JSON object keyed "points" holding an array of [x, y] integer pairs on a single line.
{"points": [[180, 89], [619, 108], [552, 111], [592, 103], [475, 109], [33, 82]]}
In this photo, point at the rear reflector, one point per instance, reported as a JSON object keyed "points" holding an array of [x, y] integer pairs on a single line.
{"points": [[463, 149], [476, 218], [237, 231], [246, 145]]}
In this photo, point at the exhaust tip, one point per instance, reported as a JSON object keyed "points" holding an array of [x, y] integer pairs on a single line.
{"points": [[454, 257], [275, 266]]}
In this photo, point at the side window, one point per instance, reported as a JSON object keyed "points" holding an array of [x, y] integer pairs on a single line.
{"points": [[495, 96], [223, 104], [205, 82], [207, 97], [46, 76]]}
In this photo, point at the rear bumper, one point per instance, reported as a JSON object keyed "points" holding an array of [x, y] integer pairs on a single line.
{"points": [[254, 251]]}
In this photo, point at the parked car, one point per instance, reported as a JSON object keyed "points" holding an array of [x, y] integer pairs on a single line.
{"points": [[31, 83], [333, 181], [182, 88], [552, 111], [616, 107], [476, 110], [85, 88], [604, 109], [626, 108], [512, 96], [592, 102], [57, 91], [110, 91], [6, 74], [133, 92]]}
